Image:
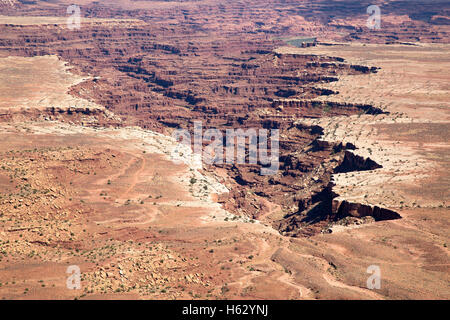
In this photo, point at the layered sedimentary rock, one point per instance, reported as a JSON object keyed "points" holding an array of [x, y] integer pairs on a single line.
{"points": [[344, 208], [164, 74]]}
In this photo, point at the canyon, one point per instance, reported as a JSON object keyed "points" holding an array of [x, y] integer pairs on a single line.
{"points": [[86, 119]]}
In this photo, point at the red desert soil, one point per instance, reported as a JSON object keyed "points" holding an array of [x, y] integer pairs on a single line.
{"points": [[87, 177]]}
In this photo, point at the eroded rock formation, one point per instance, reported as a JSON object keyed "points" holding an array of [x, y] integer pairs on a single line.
{"points": [[162, 75]]}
